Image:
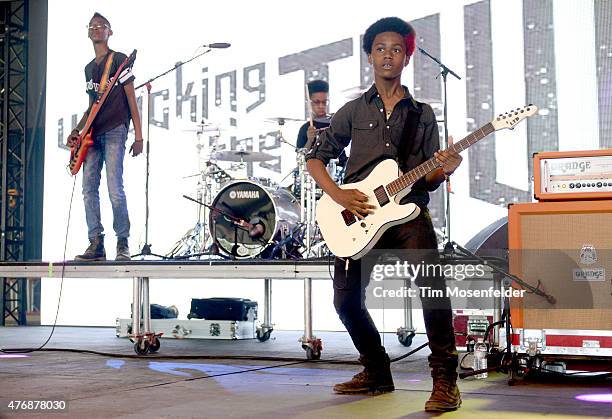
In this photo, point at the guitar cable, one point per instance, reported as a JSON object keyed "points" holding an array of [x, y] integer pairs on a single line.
{"points": [[29, 350]]}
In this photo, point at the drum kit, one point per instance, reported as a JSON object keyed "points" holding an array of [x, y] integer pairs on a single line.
{"points": [[241, 217]]}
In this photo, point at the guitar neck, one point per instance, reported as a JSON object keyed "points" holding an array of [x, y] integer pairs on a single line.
{"points": [[408, 179]]}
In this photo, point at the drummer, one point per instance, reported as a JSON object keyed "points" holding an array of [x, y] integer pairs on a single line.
{"points": [[318, 90]]}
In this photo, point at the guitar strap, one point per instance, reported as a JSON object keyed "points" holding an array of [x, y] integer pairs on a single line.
{"points": [[105, 74], [405, 148]]}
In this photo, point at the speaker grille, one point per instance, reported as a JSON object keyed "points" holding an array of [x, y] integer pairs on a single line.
{"points": [[551, 240]]}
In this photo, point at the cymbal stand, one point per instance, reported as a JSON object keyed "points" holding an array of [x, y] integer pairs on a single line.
{"points": [[197, 240], [308, 196]]}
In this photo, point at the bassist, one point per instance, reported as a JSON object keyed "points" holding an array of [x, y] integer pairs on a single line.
{"points": [[110, 128]]}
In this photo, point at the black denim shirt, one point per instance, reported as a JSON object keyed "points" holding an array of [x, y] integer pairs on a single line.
{"points": [[362, 122]]}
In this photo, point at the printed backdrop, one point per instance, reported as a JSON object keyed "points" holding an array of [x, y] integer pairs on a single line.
{"points": [[556, 54]]}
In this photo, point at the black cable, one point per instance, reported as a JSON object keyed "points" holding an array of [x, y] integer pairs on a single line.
{"points": [[329, 264], [461, 362], [406, 355], [219, 357], [188, 357], [29, 350]]}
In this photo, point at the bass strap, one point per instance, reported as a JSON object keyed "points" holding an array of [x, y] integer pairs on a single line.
{"points": [[104, 79]]}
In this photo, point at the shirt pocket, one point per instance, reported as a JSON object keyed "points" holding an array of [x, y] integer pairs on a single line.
{"points": [[365, 133], [365, 140]]}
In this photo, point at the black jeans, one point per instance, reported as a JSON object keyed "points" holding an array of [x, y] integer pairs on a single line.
{"points": [[349, 297]]}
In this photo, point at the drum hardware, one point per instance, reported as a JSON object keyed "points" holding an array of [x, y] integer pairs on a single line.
{"points": [[242, 156], [197, 240], [288, 247], [202, 127], [308, 196]]}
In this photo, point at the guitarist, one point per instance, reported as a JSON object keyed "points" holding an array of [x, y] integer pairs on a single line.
{"points": [[110, 129], [387, 122]]}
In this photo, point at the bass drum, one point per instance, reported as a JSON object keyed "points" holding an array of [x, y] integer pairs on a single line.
{"points": [[272, 211]]}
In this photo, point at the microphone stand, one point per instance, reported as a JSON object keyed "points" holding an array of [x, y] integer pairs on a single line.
{"points": [[146, 247], [510, 362], [444, 72]]}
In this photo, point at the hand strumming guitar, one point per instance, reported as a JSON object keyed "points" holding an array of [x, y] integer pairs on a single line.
{"points": [[355, 201], [71, 140]]}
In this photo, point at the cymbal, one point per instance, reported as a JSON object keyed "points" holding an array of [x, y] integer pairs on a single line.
{"points": [[242, 156], [280, 120], [201, 128]]}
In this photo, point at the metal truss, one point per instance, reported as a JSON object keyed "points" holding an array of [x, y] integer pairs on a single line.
{"points": [[13, 105]]}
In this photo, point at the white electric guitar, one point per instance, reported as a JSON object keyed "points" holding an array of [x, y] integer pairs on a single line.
{"points": [[347, 236]]}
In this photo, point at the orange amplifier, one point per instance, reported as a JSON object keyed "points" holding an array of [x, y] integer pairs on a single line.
{"points": [[564, 249], [572, 175]]}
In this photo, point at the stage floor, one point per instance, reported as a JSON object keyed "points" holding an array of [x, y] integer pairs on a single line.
{"points": [[103, 386]]}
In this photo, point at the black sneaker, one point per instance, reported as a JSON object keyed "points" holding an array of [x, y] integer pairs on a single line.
{"points": [[123, 250], [94, 252], [374, 379]]}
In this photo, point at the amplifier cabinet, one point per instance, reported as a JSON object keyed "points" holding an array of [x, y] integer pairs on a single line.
{"points": [[565, 249]]}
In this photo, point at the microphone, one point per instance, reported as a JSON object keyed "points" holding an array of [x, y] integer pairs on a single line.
{"points": [[218, 45], [256, 228]]}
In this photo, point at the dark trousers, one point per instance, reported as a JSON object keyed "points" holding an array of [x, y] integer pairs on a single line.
{"points": [[349, 297]]}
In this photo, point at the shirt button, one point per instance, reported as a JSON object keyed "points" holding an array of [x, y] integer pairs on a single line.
{"points": [[387, 144], [387, 126]]}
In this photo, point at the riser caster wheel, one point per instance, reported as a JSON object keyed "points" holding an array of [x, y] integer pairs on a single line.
{"points": [[142, 348], [262, 337], [312, 353]]}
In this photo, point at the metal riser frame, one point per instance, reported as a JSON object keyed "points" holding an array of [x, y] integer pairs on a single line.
{"points": [[194, 329]]}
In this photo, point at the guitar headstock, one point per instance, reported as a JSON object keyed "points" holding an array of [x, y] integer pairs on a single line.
{"points": [[131, 59], [510, 119]]}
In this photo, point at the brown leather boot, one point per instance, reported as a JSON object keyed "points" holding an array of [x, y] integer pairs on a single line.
{"points": [[445, 395], [374, 379], [95, 251]]}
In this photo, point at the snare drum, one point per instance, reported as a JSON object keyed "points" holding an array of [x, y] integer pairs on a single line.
{"points": [[273, 209]]}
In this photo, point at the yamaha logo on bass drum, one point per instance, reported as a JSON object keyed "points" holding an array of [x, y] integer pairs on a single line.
{"points": [[244, 194]]}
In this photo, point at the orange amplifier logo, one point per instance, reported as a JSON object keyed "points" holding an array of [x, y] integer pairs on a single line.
{"points": [[573, 175]]}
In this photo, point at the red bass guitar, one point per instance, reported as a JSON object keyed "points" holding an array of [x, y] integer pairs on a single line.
{"points": [[85, 139]]}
